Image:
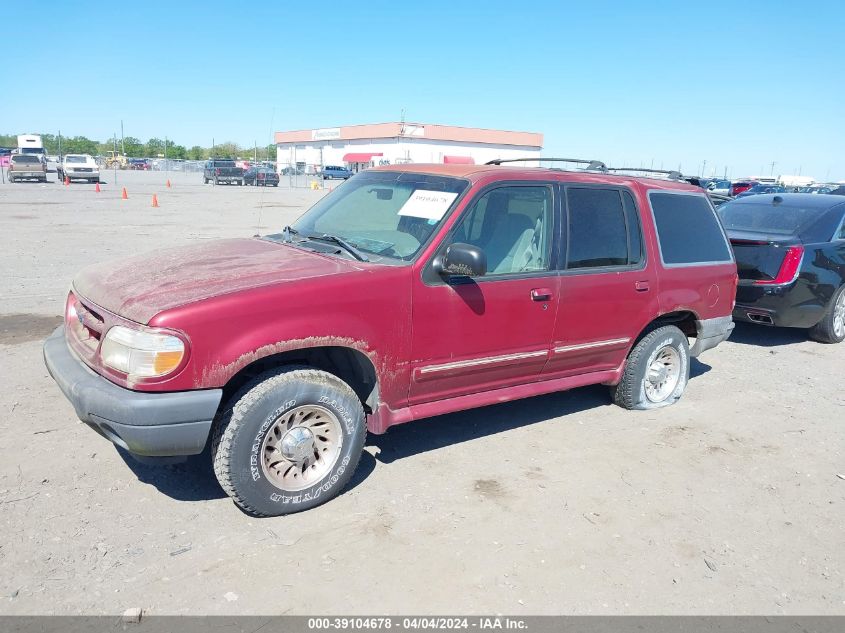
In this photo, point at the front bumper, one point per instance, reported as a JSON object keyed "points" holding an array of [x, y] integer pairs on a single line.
{"points": [[711, 332], [151, 424], [82, 174]]}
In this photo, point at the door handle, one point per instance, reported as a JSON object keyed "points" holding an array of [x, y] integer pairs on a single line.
{"points": [[641, 286], [541, 294]]}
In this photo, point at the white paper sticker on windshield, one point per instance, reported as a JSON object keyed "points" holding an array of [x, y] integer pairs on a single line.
{"points": [[430, 205]]}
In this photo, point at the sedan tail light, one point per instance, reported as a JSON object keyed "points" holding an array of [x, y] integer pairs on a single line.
{"points": [[789, 268]]}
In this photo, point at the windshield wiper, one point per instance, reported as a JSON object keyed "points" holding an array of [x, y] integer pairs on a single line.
{"points": [[289, 232], [334, 239]]}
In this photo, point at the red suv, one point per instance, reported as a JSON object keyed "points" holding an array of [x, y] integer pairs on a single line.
{"points": [[410, 291]]}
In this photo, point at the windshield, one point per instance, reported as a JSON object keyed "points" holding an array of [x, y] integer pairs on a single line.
{"points": [[391, 214], [22, 158], [32, 150], [76, 159], [766, 217]]}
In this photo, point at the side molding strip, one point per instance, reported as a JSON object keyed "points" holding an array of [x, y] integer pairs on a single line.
{"points": [[481, 362], [575, 348]]}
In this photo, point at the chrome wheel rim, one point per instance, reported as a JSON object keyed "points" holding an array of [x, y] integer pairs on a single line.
{"points": [[839, 316], [301, 447], [663, 374]]}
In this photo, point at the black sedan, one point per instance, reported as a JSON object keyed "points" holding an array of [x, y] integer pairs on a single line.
{"points": [[263, 176], [790, 256]]}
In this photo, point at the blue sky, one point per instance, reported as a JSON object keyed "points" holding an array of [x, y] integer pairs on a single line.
{"points": [[739, 85]]}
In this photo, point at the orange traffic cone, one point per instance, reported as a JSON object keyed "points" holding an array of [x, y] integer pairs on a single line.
{"points": [[168, 183], [155, 200], [97, 188], [124, 196], [67, 181]]}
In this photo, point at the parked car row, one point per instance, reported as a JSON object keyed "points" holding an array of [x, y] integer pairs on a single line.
{"points": [[739, 188]]}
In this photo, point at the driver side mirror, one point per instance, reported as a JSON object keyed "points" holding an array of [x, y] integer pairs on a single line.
{"points": [[461, 260]]}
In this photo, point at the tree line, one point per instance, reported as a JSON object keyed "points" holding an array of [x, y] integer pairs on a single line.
{"points": [[135, 148]]}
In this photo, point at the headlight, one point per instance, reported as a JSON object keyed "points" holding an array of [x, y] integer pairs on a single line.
{"points": [[141, 354]]}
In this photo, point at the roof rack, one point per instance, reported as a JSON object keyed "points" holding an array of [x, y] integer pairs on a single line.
{"points": [[592, 165], [670, 174]]}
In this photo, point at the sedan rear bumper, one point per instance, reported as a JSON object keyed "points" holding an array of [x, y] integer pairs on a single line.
{"points": [[798, 304]]}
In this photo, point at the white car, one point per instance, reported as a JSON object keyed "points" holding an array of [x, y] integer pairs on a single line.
{"points": [[720, 187], [79, 167], [52, 164]]}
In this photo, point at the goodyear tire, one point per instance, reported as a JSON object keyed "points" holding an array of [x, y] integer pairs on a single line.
{"points": [[656, 371], [290, 440]]}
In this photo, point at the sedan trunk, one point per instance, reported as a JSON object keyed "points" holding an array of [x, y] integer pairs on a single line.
{"points": [[763, 259]]}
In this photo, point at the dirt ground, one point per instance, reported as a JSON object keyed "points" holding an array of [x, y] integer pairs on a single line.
{"points": [[730, 502]]}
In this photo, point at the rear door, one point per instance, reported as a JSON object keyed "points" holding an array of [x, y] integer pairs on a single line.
{"points": [[698, 272], [608, 288], [473, 335]]}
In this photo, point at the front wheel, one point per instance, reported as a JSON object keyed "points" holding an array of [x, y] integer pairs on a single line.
{"points": [[656, 371], [831, 329], [290, 440]]}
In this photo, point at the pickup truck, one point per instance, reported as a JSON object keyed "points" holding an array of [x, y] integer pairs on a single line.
{"points": [[411, 291], [27, 167], [78, 167], [220, 171]]}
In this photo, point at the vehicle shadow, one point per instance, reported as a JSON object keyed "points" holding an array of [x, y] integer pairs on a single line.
{"points": [[193, 478], [434, 433], [766, 336], [411, 439]]}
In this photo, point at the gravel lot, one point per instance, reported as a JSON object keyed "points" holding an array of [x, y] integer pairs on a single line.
{"points": [[731, 502]]}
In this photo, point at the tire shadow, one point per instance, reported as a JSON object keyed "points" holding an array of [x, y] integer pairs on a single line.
{"points": [[183, 479], [192, 478]]}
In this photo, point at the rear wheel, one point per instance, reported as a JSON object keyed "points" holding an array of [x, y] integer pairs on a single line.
{"points": [[831, 329], [290, 440], [656, 371]]}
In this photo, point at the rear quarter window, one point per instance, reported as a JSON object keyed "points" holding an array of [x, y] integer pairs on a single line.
{"points": [[688, 230]]}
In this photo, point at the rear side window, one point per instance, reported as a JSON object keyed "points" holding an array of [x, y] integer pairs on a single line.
{"points": [[602, 229], [688, 230]]}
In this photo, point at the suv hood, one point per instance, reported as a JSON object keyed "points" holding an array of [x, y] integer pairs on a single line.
{"points": [[139, 287]]}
